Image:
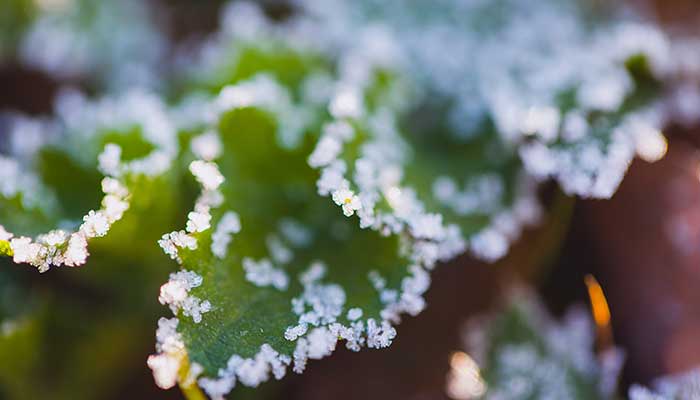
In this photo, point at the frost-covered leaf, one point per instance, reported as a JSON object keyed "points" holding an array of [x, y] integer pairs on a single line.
{"points": [[578, 104], [275, 179], [419, 180], [109, 152], [276, 267], [507, 345]]}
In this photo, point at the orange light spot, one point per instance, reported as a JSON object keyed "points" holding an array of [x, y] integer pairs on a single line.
{"points": [[600, 311], [599, 304]]}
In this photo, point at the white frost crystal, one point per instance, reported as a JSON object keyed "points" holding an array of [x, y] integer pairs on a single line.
{"points": [[228, 225], [207, 146], [95, 224], [249, 371], [109, 161], [294, 332], [325, 152], [379, 335], [25, 251], [165, 369], [354, 314], [77, 253], [263, 273], [347, 200], [321, 343], [198, 222], [170, 353], [59, 247], [332, 178], [489, 244], [346, 103], [207, 174], [175, 294], [84, 121], [170, 242]]}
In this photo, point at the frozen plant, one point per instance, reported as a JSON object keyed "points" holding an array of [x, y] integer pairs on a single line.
{"points": [[304, 176]]}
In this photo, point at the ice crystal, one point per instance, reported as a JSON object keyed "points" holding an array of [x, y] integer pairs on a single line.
{"points": [[354, 314], [228, 225], [59, 247], [170, 242], [207, 146], [175, 294], [248, 371], [347, 200], [207, 174], [198, 222], [170, 352], [263, 273]]}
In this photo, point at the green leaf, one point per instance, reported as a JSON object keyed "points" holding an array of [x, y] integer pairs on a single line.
{"points": [[271, 189], [411, 172], [135, 143]]}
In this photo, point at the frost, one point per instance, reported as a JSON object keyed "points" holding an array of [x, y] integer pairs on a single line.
{"points": [[364, 160], [109, 161], [95, 224], [165, 369], [76, 253], [59, 247], [379, 336], [332, 178], [294, 332], [295, 233], [263, 273], [170, 353], [522, 104], [347, 200], [228, 225], [248, 371], [121, 113], [25, 251], [563, 352], [207, 146], [279, 251], [354, 314], [175, 294], [198, 222], [427, 226], [207, 174], [489, 245], [79, 123], [313, 274], [543, 122], [321, 343], [346, 103], [170, 242]]}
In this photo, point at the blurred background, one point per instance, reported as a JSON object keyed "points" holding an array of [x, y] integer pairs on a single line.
{"points": [[643, 246]]}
